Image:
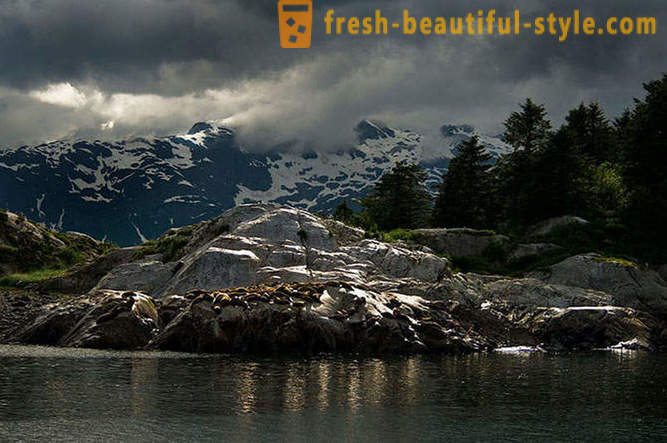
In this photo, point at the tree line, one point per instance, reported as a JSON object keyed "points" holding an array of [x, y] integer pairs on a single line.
{"points": [[612, 172]]}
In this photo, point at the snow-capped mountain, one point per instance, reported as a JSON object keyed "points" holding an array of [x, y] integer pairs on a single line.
{"points": [[131, 190]]}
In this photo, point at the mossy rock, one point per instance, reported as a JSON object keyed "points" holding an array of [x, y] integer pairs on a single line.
{"points": [[618, 261]]}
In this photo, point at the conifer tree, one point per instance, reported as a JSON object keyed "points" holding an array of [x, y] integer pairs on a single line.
{"points": [[529, 132], [343, 213], [645, 153], [529, 129], [464, 192], [591, 133], [399, 200]]}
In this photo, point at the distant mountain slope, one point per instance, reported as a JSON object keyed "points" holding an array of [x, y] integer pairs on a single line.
{"points": [[135, 189]]}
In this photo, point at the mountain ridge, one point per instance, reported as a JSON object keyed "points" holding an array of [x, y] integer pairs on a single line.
{"points": [[131, 190]]}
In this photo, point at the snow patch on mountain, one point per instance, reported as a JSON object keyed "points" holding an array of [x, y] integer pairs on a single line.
{"points": [[133, 189], [297, 178]]}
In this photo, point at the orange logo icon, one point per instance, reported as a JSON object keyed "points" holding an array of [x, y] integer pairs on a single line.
{"points": [[296, 21]]}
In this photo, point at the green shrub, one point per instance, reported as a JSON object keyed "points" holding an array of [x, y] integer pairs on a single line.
{"points": [[607, 238], [496, 251], [401, 235], [478, 265], [21, 280], [69, 256], [171, 245], [7, 251], [303, 235]]}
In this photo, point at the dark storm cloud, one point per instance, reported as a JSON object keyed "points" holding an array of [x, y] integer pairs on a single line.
{"points": [[158, 65], [124, 44]]}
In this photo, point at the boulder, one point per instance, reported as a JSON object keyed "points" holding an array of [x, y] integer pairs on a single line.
{"points": [[459, 242], [625, 282], [592, 328], [662, 271], [532, 250], [102, 320], [124, 321], [528, 293], [546, 227], [399, 262]]}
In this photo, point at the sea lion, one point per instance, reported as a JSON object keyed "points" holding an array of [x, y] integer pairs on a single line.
{"points": [[344, 285], [298, 304], [284, 291], [281, 301], [393, 303], [389, 315], [399, 315], [202, 298], [236, 301], [223, 300], [339, 315], [438, 304], [194, 293], [254, 298]]}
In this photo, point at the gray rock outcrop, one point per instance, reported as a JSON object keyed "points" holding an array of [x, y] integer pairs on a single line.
{"points": [[460, 242], [625, 282], [532, 250], [268, 244], [546, 227]]}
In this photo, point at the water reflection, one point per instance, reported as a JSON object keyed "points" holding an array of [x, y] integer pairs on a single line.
{"points": [[142, 374], [323, 378], [247, 387], [423, 393]]}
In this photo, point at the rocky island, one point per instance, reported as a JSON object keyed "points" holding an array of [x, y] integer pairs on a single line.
{"points": [[269, 278]]}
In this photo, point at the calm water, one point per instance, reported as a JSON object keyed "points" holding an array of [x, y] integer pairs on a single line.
{"points": [[54, 394]]}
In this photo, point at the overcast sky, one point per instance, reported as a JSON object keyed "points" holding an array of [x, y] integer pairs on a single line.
{"points": [[113, 68]]}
